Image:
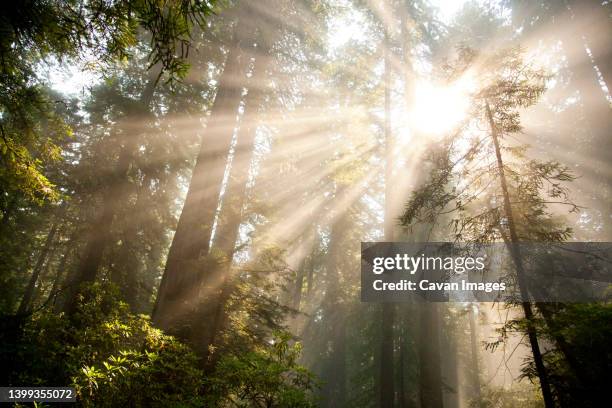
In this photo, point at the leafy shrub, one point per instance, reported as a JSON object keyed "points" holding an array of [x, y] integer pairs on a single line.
{"points": [[267, 377], [160, 372], [112, 357], [522, 395]]}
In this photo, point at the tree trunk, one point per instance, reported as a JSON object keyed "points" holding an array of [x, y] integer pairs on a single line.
{"points": [[213, 289], [335, 312], [429, 353], [26, 301], [448, 365], [596, 29], [179, 288], [520, 270], [475, 369], [387, 372], [52, 298], [218, 287]]}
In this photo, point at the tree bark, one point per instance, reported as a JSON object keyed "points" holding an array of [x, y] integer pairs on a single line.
{"points": [[213, 287], [179, 288], [218, 287]]}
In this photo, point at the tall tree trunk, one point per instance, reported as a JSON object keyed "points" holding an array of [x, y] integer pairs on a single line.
{"points": [[217, 288], [179, 288], [28, 295], [448, 367], [387, 372], [520, 270], [429, 357], [213, 287], [335, 312], [596, 30], [400, 196]]}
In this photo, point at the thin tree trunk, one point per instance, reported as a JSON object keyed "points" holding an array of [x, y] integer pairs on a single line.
{"points": [[57, 281], [28, 295], [448, 366], [404, 399], [520, 270], [475, 369], [596, 29], [43, 275]]}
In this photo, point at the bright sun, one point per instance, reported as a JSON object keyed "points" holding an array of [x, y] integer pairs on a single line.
{"points": [[437, 109]]}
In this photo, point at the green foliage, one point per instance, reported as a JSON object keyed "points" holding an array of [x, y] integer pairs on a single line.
{"points": [[115, 358], [34, 31], [31, 131], [463, 186], [254, 308], [587, 329], [112, 357], [520, 396], [108, 29], [163, 373], [269, 376]]}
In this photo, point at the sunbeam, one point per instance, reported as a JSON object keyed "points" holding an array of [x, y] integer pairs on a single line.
{"points": [[237, 203]]}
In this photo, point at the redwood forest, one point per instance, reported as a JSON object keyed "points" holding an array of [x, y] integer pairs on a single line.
{"points": [[192, 192]]}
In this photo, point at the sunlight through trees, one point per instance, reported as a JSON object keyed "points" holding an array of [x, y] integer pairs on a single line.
{"points": [[185, 186]]}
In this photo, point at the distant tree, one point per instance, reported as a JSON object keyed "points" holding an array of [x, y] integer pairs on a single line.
{"points": [[493, 190]]}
